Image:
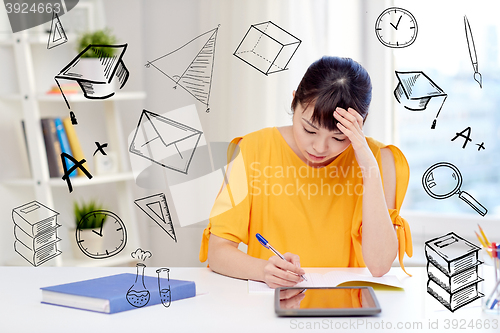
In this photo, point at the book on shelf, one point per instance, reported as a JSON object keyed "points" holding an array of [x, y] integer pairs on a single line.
{"points": [[52, 147], [74, 143], [109, 294], [66, 88], [333, 279], [65, 147]]}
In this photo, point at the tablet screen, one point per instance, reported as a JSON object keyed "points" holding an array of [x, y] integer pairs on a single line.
{"points": [[326, 301]]}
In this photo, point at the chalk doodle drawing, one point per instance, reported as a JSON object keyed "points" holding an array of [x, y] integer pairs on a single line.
{"points": [[452, 270], [191, 67], [442, 180], [155, 206], [35, 231], [165, 295], [267, 48], [415, 90], [96, 84], [138, 295], [113, 232], [396, 28], [472, 52], [165, 141], [57, 35]]}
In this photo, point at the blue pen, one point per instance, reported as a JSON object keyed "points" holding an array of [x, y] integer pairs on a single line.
{"points": [[266, 244]]}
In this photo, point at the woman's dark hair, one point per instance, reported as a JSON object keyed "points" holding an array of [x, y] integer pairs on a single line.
{"points": [[332, 82]]}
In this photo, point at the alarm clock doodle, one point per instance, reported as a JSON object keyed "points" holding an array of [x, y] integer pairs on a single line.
{"points": [[115, 235], [396, 28]]}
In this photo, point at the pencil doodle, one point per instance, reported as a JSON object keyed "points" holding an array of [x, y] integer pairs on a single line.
{"points": [[138, 295], [155, 206], [57, 36], [97, 83], [190, 67], [452, 270], [396, 28], [35, 231], [164, 290], [75, 164], [113, 233], [267, 48], [165, 141], [472, 52], [100, 148], [442, 180], [26, 14], [415, 90]]}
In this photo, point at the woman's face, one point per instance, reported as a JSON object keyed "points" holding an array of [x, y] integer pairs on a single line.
{"points": [[318, 145]]}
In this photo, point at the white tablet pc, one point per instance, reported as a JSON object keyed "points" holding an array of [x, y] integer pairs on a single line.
{"points": [[338, 301]]}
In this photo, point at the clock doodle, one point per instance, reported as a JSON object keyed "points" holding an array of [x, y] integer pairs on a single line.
{"points": [[113, 233], [396, 28]]}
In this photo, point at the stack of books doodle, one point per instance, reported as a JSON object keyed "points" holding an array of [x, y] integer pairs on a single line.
{"points": [[452, 269], [35, 229]]}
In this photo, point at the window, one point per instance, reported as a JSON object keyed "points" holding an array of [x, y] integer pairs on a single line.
{"points": [[441, 52]]}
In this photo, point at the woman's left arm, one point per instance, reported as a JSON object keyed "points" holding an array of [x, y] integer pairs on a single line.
{"points": [[379, 240]]}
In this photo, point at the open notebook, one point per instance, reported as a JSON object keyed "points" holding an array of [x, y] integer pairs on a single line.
{"points": [[332, 279]]}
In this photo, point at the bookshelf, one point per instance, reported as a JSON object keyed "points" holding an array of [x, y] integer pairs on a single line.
{"points": [[29, 103]]}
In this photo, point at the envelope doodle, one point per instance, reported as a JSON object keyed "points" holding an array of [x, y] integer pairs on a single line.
{"points": [[165, 141]]}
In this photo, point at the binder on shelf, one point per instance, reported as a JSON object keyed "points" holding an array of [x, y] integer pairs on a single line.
{"points": [[74, 144], [52, 147], [63, 140]]}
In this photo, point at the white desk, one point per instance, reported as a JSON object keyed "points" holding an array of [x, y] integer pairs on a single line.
{"points": [[227, 307]]}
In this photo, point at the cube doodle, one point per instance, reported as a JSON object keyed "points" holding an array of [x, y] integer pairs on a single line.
{"points": [[267, 47]]}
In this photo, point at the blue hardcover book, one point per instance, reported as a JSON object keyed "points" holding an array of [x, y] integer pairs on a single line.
{"points": [[65, 147], [114, 293]]}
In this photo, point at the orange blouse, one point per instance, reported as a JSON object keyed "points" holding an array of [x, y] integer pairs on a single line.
{"points": [[315, 213]]}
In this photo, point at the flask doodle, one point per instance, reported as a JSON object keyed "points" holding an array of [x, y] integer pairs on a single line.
{"points": [[138, 295]]}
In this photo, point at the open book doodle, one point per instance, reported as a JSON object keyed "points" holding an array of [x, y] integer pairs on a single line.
{"points": [[332, 279]]}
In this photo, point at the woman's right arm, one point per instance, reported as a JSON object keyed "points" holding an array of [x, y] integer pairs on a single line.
{"points": [[225, 258]]}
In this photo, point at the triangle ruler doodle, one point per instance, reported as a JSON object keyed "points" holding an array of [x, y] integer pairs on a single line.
{"points": [[155, 206], [57, 36], [191, 66]]}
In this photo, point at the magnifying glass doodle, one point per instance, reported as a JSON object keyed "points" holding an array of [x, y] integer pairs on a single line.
{"points": [[442, 180]]}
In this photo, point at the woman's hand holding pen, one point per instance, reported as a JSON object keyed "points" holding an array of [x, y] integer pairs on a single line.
{"points": [[351, 124], [283, 273]]}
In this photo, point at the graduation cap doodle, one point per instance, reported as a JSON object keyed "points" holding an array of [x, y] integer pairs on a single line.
{"points": [[97, 84], [415, 90], [165, 141]]}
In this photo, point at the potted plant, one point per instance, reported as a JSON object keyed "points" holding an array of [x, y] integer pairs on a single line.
{"points": [[87, 225], [90, 64]]}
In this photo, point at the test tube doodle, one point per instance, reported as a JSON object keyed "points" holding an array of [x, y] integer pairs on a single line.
{"points": [[164, 290]]}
